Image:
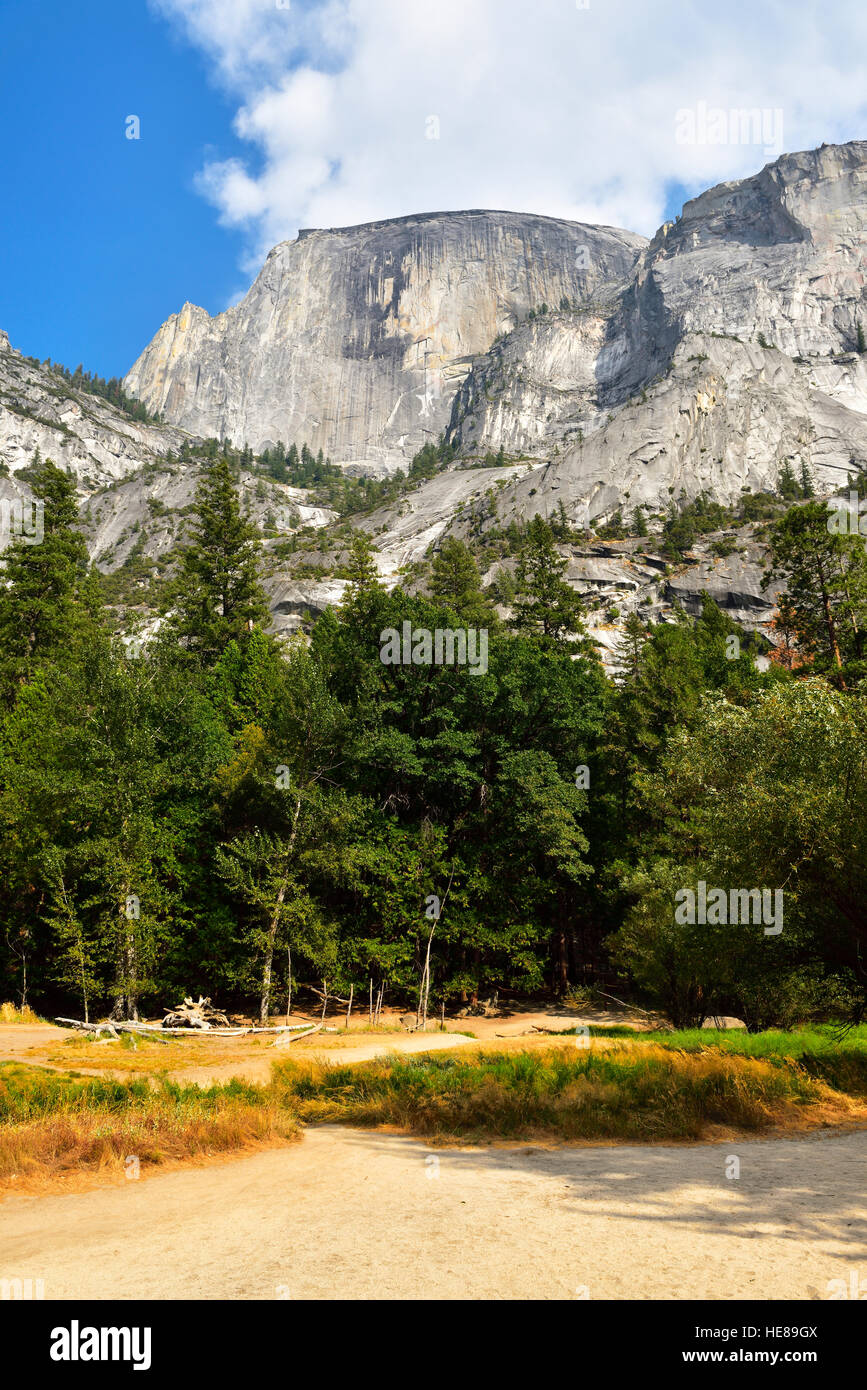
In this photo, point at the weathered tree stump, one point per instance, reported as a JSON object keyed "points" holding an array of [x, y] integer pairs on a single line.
{"points": [[201, 1015]]}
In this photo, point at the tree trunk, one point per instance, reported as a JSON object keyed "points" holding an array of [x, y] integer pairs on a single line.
{"points": [[76, 924], [424, 988], [126, 1005], [424, 991], [84, 986], [561, 962], [858, 634], [829, 618], [288, 984], [267, 969], [265, 1001]]}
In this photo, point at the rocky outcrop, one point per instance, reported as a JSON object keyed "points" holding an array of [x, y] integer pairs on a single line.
{"points": [[735, 582], [297, 602], [146, 513], [617, 578], [725, 418], [736, 344], [405, 532], [83, 433], [355, 340]]}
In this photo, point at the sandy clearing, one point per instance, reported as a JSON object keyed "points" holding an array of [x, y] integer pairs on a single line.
{"points": [[25, 1043], [17, 1039], [358, 1215], [259, 1068], [250, 1059]]}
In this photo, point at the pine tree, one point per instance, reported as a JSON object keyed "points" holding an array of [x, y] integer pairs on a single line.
{"points": [[788, 486], [277, 462], [455, 582], [825, 574], [217, 597], [560, 523], [361, 568], [631, 647], [544, 602], [42, 605]]}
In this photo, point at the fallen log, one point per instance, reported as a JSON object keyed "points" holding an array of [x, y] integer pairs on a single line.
{"points": [[109, 1028], [648, 1012], [157, 1029], [286, 1042]]}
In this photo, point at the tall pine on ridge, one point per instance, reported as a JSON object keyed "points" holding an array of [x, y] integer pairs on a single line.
{"points": [[217, 597]]}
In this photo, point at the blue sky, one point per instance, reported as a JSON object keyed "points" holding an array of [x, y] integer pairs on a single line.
{"points": [[102, 237], [262, 116]]}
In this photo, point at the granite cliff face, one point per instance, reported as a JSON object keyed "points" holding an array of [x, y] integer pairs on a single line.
{"points": [[700, 360], [781, 254], [734, 346], [355, 340], [726, 417]]}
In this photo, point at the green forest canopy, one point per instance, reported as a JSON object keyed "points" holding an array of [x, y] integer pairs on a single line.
{"points": [[193, 820]]}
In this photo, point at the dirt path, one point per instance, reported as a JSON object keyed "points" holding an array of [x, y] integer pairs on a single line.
{"points": [[358, 1215], [259, 1068], [24, 1043], [18, 1039], [250, 1058]]}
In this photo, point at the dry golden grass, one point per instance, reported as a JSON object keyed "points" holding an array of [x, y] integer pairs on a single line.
{"points": [[650, 1094], [10, 1013], [54, 1124], [45, 1151]]}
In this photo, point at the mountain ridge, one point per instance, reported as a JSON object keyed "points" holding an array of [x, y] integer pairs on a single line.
{"points": [[356, 339], [403, 350]]}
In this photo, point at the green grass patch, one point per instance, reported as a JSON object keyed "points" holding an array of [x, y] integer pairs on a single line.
{"points": [[649, 1093], [52, 1123], [829, 1052]]}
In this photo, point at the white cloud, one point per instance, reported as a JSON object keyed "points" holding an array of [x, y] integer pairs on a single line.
{"points": [[543, 107]]}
